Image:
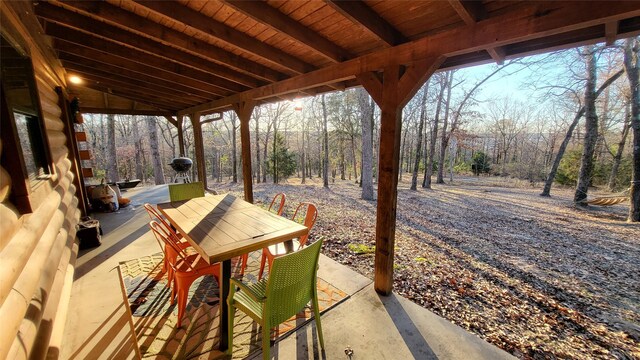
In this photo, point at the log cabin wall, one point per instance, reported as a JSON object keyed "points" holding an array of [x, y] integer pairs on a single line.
{"points": [[37, 248]]}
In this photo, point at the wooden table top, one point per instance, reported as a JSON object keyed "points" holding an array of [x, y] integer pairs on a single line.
{"points": [[221, 227]]}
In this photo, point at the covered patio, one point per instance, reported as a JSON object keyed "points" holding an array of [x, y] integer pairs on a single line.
{"points": [[187, 60], [373, 326]]}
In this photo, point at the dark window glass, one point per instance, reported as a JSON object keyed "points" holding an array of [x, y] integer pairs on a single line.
{"points": [[19, 91]]}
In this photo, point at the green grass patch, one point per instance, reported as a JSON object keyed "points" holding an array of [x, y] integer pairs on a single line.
{"points": [[360, 249]]}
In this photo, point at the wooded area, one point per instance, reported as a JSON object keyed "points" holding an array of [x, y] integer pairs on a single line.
{"points": [[451, 126]]}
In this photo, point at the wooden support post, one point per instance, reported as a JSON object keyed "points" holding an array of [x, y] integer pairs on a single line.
{"points": [[391, 93], [199, 148], [244, 109], [181, 150]]}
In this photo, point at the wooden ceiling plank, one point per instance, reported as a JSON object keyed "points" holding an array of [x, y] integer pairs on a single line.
{"points": [[271, 17], [82, 65], [229, 35], [209, 58], [469, 11], [540, 19], [91, 47], [358, 12]]}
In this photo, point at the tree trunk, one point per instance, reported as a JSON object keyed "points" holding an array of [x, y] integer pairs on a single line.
{"points": [[402, 151], [325, 138], [591, 129], [445, 139], [112, 157], [234, 149], [158, 171], [366, 109], [423, 115], [453, 151], [618, 156], [546, 191], [632, 66], [353, 156], [137, 145], [258, 163], [432, 141]]}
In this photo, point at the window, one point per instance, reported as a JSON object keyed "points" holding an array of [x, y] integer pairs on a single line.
{"points": [[24, 145]]}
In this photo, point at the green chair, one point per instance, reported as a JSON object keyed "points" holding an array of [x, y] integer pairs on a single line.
{"points": [[292, 283], [179, 192]]}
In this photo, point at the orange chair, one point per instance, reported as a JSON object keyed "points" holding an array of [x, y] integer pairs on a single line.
{"points": [[278, 200], [170, 255], [187, 268], [308, 213]]}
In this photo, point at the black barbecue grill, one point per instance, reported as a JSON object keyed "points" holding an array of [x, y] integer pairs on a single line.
{"points": [[181, 165]]}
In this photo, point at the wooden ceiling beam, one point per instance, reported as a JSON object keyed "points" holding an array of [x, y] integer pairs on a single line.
{"points": [[359, 13], [271, 17], [110, 111], [538, 20], [106, 68], [207, 58], [95, 48], [229, 35], [469, 11]]}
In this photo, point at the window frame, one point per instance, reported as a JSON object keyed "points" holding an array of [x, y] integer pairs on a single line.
{"points": [[26, 192]]}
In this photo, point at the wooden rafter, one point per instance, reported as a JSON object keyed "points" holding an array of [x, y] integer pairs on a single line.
{"points": [[269, 16], [610, 32], [232, 69], [469, 11], [131, 95], [360, 13], [229, 35], [94, 48], [538, 20], [73, 63], [134, 87], [112, 111], [472, 12]]}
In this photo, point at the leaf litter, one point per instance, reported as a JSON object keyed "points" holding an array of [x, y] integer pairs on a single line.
{"points": [[535, 276]]}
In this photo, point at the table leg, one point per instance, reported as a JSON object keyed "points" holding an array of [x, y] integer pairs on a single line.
{"points": [[224, 308]]}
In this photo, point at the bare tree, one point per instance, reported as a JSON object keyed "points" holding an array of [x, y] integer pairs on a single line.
{"points": [[423, 116], [137, 143], [152, 129], [112, 157], [445, 122], [632, 67], [366, 112], [617, 157], [591, 126], [325, 137], [426, 182]]}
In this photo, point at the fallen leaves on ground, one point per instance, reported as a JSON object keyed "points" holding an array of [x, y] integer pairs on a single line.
{"points": [[533, 275]]}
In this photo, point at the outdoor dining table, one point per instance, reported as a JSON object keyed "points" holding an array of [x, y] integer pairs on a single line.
{"points": [[221, 227]]}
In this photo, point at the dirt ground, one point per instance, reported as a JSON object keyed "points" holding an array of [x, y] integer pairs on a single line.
{"points": [[535, 276]]}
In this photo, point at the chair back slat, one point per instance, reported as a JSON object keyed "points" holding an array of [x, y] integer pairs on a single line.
{"points": [[179, 192], [165, 236], [277, 204], [292, 282], [306, 214]]}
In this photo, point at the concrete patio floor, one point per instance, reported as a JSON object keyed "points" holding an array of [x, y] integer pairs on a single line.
{"points": [[373, 326]]}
